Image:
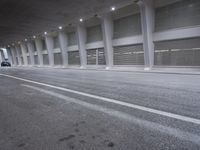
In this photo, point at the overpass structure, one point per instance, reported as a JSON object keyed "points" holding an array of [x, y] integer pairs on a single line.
{"points": [[125, 34], [148, 100]]}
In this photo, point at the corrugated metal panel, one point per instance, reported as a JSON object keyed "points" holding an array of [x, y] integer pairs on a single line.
{"points": [[92, 57], [127, 26], [22, 60], [74, 58], [45, 59], [94, 34], [72, 38], [96, 57], [101, 57], [20, 51], [34, 46], [56, 42], [36, 59], [128, 55], [180, 14], [29, 60], [17, 60], [26, 47], [178, 52], [44, 46], [58, 59]]}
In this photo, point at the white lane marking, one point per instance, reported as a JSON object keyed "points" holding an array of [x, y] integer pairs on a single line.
{"points": [[143, 108], [182, 135]]}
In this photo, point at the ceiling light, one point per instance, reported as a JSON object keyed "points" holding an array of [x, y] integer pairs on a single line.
{"points": [[13, 44], [60, 27], [81, 20], [113, 8], [8, 45], [19, 42], [25, 39], [34, 36], [45, 33]]}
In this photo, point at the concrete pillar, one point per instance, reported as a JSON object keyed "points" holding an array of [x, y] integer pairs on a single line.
{"points": [[24, 53], [38, 43], [13, 53], [1, 57], [10, 58], [147, 12], [49, 43], [17, 48], [107, 29], [63, 46], [31, 52], [82, 37]]}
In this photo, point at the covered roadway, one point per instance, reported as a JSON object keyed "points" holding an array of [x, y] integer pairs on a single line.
{"points": [[100, 75]]}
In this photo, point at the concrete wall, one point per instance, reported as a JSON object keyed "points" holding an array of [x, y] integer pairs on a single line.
{"points": [[128, 37]]}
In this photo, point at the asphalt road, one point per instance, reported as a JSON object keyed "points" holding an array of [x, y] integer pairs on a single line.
{"points": [[63, 109]]}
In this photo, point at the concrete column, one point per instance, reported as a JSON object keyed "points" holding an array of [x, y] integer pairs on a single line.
{"points": [[1, 57], [107, 29], [147, 12], [10, 58], [31, 52], [49, 43], [17, 48], [63, 46], [38, 43], [24, 53], [82, 37], [13, 53]]}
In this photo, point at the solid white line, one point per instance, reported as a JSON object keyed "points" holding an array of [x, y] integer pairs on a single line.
{"points": [[183, 135], [143, 108]]}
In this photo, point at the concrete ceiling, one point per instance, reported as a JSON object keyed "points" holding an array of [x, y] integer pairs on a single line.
{"points": [[20, 19]]}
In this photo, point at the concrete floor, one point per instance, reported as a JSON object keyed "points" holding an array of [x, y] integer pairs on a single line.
{"points": [[38, 116]]}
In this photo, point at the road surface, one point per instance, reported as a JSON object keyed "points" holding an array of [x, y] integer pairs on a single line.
{"points": [[61, 109]]}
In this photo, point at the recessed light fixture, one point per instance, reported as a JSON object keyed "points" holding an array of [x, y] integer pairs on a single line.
{"points": [[60, 27], [113, 8], [81, 19], [45, 33], [8, 45], [25, 40], [19, 42], [34, 36], [13, 44]]}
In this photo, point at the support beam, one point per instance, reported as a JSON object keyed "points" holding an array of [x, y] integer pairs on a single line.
{"points": [[49, 43], [174, 34], [31, 52], [13, 53], [10, 58], [24, 53], [147, 12], [17, 48], [82, 37], [107, 29], [1, 57], [63, 46], [38, 43]]}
